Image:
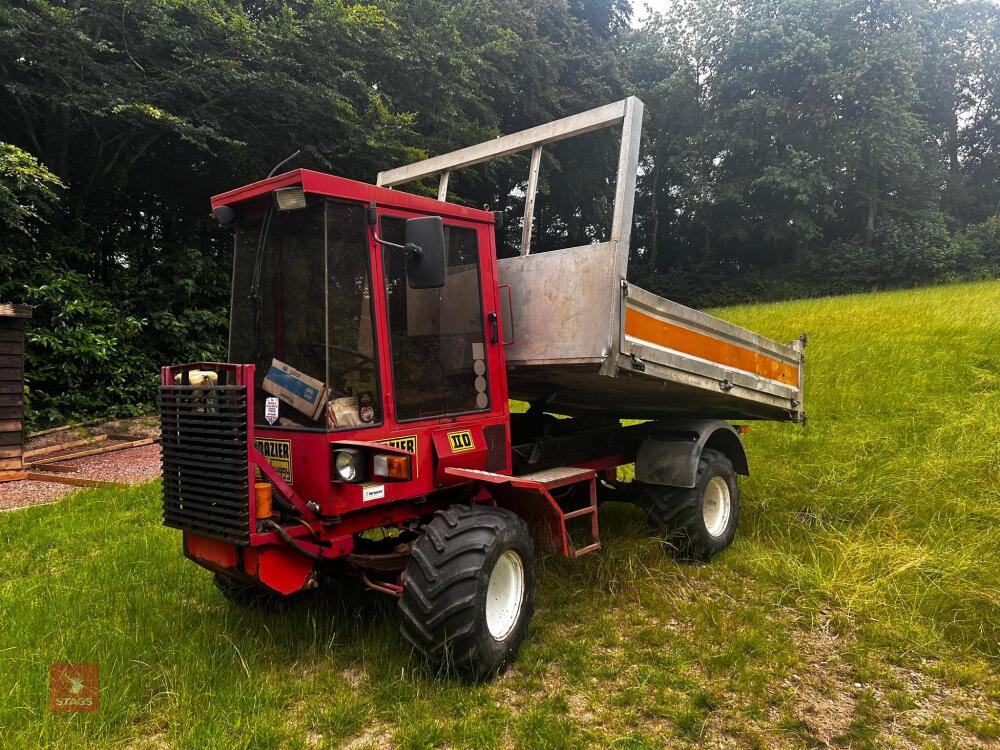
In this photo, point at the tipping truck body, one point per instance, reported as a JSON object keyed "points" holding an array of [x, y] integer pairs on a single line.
{"points": [[588, 341], [375, 342], [620, 350]]}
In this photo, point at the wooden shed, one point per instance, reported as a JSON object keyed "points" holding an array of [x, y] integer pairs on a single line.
{"points": [[12, 323]]}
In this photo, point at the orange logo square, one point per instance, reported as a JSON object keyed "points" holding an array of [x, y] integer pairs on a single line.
{"points": [[73, 687]]}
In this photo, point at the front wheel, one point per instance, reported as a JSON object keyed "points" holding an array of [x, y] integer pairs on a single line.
{"points": [[468, 590], [701, 521]]}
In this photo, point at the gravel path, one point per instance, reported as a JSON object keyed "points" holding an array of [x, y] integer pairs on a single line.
{"points": [[129, 466], [139, 427], [24, 493]]}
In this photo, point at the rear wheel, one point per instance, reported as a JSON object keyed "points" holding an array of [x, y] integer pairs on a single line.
{"points": [[701, 521], [468, 590]]}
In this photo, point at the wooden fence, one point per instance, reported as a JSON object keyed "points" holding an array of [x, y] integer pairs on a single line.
{"points": [[12, 323]]}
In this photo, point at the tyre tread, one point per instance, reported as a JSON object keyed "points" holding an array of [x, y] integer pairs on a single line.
{"points": [[440, 590], [677, 511]]}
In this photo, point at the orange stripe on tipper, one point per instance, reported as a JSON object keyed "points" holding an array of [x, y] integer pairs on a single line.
{"points": [[639, 325]]}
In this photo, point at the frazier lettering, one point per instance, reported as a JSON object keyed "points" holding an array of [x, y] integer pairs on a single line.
{"points": [[273, 449], [278, 453]]}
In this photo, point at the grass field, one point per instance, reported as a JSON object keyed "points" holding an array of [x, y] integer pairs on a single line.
{"points": [[858, 608]]}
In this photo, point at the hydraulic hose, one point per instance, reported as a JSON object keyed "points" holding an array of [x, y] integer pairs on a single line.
{"points": [[285, 504], [290, 541]]}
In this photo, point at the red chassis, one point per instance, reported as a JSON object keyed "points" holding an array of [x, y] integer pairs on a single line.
{"points": [[330, 514]]}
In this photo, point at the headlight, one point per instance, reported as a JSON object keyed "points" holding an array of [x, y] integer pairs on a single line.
{"points": [[349, 463], [290, 198]]}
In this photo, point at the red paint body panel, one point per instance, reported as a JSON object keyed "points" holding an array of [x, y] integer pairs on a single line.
{"points": [[278, 567], [210, 552], [466, 458], [341, 187]]}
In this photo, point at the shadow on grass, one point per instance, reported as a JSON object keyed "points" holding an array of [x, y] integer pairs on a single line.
{"points": [[344, 616]]}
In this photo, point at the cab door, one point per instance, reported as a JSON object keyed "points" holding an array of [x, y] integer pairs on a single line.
{"points": [[445, 360]]}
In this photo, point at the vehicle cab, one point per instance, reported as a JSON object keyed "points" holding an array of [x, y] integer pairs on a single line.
{"points": [[349, 352]]}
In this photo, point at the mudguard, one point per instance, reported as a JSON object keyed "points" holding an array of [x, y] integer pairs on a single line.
{"points": [[669, 456]]}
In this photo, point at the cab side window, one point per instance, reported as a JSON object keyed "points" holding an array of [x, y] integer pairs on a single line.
{"points": [[437, 339]]}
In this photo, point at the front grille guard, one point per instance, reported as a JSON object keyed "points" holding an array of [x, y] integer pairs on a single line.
{"points": [[203, 435], [209, 458]]}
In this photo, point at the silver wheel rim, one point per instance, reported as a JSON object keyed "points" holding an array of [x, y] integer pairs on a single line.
{"points": [[504, 595], [715, 507]]}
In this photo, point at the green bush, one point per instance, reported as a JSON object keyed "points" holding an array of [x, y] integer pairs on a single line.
{"points": [[85, 356], [906, 251], [911, 250], [977, 248], [94, 348]]}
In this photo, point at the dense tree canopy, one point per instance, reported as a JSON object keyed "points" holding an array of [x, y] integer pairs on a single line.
{"points": [[790, 147]]}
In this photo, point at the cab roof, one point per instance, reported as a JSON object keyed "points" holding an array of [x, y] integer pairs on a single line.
{"points": [[318, 183]]}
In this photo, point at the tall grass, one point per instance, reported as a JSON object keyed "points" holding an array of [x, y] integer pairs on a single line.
{"points": [[885, 506], [868, 545]]}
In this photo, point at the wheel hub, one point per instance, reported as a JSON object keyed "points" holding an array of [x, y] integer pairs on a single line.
{"points": [[716, 505], [504, 595]]}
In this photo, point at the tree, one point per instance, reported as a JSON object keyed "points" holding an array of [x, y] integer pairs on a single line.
{"points": [[28, 192], [790, 146]]}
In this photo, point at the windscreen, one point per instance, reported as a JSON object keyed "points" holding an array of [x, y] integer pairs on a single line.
{"points": [[302, 314]]}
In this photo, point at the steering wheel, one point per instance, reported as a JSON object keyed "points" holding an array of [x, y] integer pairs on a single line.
{"points": [[319, 351], [354, 353]]}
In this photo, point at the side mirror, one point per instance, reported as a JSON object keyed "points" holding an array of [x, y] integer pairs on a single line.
{"points": [[426, 259]]}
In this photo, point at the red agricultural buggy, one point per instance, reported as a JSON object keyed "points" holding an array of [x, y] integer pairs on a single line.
{"points": [[362, 424]]}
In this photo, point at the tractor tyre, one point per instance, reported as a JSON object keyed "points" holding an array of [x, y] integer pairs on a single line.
{"points": [[701, 521], [468, 590], [248, 594]]}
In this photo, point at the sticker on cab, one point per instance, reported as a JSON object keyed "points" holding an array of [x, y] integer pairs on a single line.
{"points": [[372, 492], [271, 409], [278, 453], [461, 441]]}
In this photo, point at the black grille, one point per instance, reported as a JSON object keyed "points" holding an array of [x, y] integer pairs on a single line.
{"points": [[205, 461], [496, 447]]}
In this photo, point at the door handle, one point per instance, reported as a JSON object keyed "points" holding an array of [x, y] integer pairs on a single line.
{"points": [[494, 327]]}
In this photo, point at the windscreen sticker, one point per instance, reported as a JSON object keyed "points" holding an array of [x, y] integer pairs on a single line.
{"points": [[366, 408], [461, 441], [271, 409], [278, 453]]}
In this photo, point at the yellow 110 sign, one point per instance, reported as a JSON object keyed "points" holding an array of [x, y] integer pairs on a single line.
{"points": [[461, 441]]}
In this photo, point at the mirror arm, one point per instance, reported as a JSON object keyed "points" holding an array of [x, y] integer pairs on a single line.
{"points": [[411, 248], [380, 241]]}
